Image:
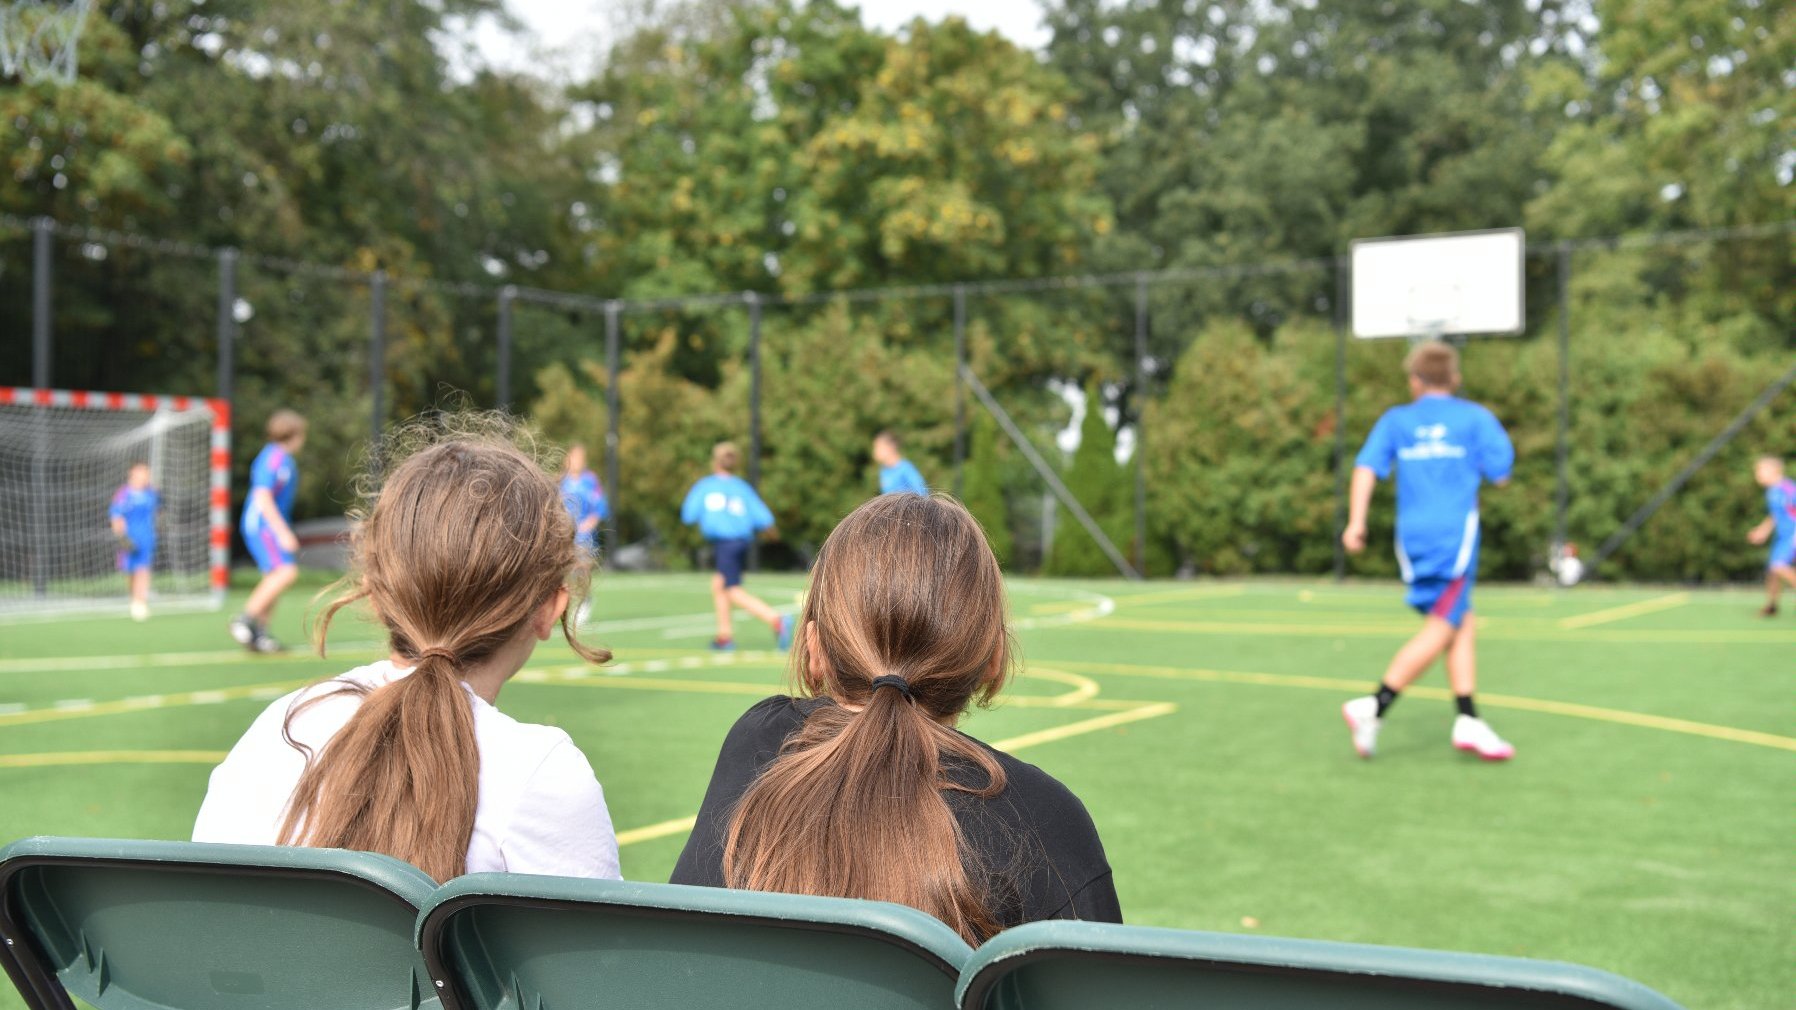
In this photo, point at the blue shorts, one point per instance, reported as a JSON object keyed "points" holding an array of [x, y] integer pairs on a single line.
{"points": [[730, 558], [266, 548], [1783, 553], [140, 557], [587, 544], [1449, 599]]}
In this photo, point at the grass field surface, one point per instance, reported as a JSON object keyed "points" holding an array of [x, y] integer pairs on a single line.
{"points": [[1644, 827]]}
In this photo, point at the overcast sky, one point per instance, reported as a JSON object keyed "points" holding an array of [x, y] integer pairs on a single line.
{"points": [[566, 36]]}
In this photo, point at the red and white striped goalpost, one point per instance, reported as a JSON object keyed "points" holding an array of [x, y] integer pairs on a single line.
{"points": [[219, 467]]}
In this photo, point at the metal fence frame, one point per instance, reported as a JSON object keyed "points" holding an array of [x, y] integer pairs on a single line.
{"points": [[505, 297]]}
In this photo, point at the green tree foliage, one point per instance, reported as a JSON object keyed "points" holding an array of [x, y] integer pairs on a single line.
{"points": [[982, 487], [1106, 491]]}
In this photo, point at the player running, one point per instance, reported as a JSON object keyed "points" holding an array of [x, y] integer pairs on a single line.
{"points": [[584, 498], [1444, 448], [729, 513], [896, 474], [267, 528], [133, 517], [1778, 529]]}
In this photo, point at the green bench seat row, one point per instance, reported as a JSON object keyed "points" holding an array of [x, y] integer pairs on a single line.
{"points": [[139, 925]]}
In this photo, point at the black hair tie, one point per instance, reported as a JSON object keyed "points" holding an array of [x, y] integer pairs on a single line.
{"points": [[894, 681]]}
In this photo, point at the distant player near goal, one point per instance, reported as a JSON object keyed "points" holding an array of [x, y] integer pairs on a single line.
{"points": [[133, 520], [267, 528], [1443, 448], [1778, 529]]}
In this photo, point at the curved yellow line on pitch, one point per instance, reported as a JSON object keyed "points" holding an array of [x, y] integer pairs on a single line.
{"points": [[112, 757], [1575, 710]]}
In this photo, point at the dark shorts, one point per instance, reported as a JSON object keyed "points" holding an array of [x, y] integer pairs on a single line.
{"points": [[730, 558]]}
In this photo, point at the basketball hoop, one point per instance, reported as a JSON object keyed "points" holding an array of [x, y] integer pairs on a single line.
{"points": [[39, 39]]}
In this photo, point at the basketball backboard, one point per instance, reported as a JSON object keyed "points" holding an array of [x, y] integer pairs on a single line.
{"points": [[1452, 284]]}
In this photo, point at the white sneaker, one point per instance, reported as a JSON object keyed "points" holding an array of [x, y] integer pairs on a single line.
{"points": [[140, 611], [1362, 720], [1476, 736]]}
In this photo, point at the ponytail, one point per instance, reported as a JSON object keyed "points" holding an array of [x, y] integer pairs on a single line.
{"points": [[902, 628], [402, 777]]}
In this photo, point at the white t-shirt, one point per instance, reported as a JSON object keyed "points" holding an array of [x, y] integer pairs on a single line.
{"points": [[540, 809]]}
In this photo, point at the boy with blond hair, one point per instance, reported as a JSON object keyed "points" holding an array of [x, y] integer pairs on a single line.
{"points": [[1443, 448], [1778, 529], [267, 528]]}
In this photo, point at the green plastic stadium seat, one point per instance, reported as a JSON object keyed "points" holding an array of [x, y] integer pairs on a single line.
{"points": [[551, 943], [136, 925], [1081, 965]]}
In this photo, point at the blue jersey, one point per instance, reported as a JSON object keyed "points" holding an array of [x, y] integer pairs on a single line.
{"points": [[1443, 448], [275, 470], [902, 476], [725, 508], [584, 499], [137, 507], [1780, 501]]}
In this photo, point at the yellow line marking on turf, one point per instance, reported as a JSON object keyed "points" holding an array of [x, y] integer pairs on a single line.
{"points": [[68, 710], [111, 757], [1181, 595], [1136, 713], [677, 826], [1626, 611], [1573, 709], [1508, 632], [151, 660], [1151, 710]]}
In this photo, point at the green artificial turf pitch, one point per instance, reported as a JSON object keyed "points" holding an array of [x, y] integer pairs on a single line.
{"points": [[1644, 827]]}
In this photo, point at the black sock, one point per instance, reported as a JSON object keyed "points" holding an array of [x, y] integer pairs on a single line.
{"points": [[1386, 698], [1466, 708]]}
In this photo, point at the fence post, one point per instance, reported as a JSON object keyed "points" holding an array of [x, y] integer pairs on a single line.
{"points": [[507, 295], [227, 324], [1140, 422], [613, 352], [1342, 281], [40, 302], [1562, 456], [960, 386], [754, 406], [377, 352]]}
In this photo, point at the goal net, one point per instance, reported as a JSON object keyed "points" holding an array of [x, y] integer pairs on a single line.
{"points": [[64, 455]]}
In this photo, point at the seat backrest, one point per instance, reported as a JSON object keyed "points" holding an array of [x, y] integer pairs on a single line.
{"points": [[1067, 965], [524, 943], [139, 925]]}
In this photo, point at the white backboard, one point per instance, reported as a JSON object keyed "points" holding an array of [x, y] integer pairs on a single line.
{"points": [[1455, 284]]}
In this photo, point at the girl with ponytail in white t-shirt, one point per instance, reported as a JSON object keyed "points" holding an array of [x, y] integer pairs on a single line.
{"points": [[468, 558]]}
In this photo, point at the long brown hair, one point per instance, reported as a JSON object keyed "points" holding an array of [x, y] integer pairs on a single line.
{"points": [[463, 542], [903, 628]]}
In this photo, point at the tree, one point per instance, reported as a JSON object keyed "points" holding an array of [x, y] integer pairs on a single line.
{"points": [[982, 489], [1103, 487]]}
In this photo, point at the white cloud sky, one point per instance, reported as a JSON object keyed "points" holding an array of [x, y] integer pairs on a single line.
{"points": [[565, 37]]}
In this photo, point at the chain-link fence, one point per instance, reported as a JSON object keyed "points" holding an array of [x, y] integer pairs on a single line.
{"points": [[1218, 407]]}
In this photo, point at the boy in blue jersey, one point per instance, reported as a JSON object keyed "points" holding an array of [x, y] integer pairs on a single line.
{"points": [[896, 474], [729, 514], [133, 518], [584, 498], [1778, 529], [1443, 448], [267, 528]]}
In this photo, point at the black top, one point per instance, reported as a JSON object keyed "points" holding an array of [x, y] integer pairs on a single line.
{"points": [[1034, 838]]}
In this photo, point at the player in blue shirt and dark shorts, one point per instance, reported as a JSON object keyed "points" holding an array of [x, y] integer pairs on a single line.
{"points": [[133, 520], [1443, 449], [267, 528], [729, 514], [896, 474], [1778, 529]]}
